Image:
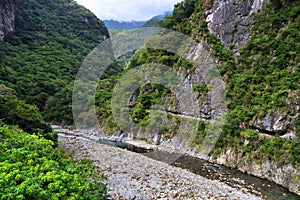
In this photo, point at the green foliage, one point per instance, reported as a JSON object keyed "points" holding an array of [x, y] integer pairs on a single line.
{"points": [[249, 134], [31, 168], [297, 127], [16, 112], [201, 88], [58, 108], [263, 78], [201, 133], [44, 53], [267, 70], [180, 18], [147, 95], [146, 56], [259, 148]]}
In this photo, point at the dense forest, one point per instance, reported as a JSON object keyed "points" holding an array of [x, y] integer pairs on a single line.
{"points": [[38, 64], [42, 56]]}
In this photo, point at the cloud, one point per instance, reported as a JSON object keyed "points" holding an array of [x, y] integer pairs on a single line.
{"points": [[127, 10]]}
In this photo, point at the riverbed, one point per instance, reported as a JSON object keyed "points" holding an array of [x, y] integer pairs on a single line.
{"points": [[135, 176]]}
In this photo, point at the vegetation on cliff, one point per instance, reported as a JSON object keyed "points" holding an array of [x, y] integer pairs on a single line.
{"points": [[262, 79], [40, 59]]}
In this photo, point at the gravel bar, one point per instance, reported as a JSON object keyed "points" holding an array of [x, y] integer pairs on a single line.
{"points": [[134, 176]]}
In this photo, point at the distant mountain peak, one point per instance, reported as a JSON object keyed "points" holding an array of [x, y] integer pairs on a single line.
{"points": [[129, 25], [123, 25]]}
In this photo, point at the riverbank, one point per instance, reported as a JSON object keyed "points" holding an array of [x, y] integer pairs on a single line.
{"points": [[132, 175]]}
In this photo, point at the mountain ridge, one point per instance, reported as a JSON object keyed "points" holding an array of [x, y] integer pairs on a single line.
{"points": [[130, 25], [254, 45]]}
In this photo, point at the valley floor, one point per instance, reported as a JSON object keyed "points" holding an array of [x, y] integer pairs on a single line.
{"points": [[134, 176]]}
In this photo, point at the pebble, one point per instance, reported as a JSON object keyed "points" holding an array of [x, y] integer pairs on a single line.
{"points": [[131, 175]]}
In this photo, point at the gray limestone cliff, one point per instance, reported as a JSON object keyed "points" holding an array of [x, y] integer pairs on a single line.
{"points": [[231, 20], [282, 173], [7, 18]]}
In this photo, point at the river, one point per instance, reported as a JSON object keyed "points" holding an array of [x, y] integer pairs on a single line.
{"points": [[232, 177]]}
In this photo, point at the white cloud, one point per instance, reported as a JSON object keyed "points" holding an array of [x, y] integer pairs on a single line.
{"points": [[127, 10]]}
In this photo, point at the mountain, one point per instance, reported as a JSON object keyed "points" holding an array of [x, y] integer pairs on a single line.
{"points": [[152, 22], [44, 45], [254, 45], [121, 25]]}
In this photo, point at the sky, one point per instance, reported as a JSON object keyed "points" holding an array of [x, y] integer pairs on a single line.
{"points": [[128, 10]]}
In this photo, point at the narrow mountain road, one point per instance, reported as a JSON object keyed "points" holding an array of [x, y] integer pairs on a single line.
{"points": [[134, 176]]}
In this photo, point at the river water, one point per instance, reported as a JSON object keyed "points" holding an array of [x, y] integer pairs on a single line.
{"points": [[260, 187]]}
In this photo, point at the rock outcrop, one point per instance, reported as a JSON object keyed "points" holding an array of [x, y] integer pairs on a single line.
{"points": [[231, 21], [7, 18], [276, 122], [281, 173]]}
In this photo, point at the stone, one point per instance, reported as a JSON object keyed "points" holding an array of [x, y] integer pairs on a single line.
{"points": [[7, 18], [231, 21]]}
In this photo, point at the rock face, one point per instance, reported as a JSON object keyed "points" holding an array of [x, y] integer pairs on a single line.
{"points": [[281, 173], [230, 20], [197, 108], [272, 123], [189, 101], [277, 122], [7, 18]]}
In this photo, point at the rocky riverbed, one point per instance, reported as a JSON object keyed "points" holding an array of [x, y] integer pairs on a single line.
{"points": [[134, 176]]}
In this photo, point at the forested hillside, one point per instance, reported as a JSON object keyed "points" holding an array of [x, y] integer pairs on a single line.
{"points": [[42, 55], [256, 48], [42, 46], [119, 25], [262, 78]]}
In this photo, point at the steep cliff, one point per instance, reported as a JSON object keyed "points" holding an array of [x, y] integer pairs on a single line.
{"points": [[7, 17], [231, 21], [255, 46]]}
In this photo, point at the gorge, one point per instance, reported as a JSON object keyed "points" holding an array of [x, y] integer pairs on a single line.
{"points": [[253, 45]]}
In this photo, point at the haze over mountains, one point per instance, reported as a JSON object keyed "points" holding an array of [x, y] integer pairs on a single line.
{"points": [[129, 25]]}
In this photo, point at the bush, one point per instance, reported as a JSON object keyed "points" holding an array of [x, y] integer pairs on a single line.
{"points": [[250, 135], [14, 111], [31, 168]]}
